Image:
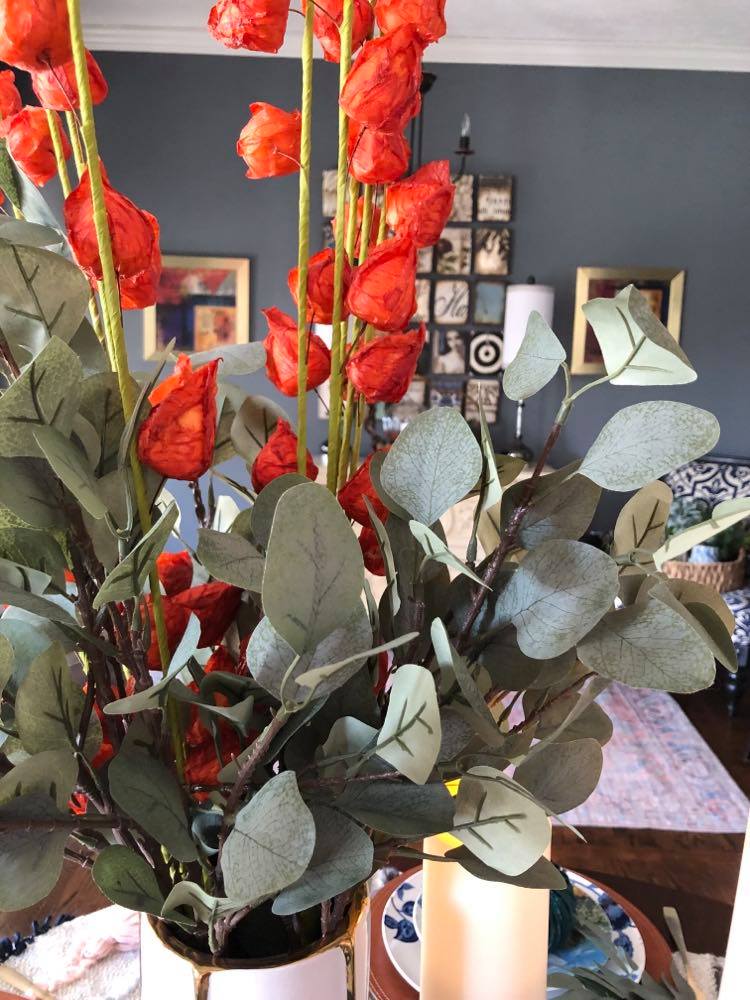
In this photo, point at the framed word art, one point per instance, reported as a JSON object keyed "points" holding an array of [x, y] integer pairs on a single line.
{"points": [[663, 287], [203, 302]]}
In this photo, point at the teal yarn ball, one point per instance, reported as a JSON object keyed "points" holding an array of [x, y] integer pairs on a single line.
{"points": [[562, 909]]}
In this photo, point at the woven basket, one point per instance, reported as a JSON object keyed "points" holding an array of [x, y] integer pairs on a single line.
{"points": [[722, 576]]}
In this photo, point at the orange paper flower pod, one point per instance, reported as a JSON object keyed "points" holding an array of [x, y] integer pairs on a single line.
{"points": [[320, 286], [377, 157], [352, 496], [141, 290], [425, 16], [214, 605], [177, 437], [10, 100], [383, 369], [175, 621], [419, 206], [383, 291], [131, 230], [282, 354], [373, 557], [382, 89], [258, 25], [57, 89], [279, 456], [34, 33], [175, 571], [30, 145], [327, 21], [374, 225], [270, 142]]}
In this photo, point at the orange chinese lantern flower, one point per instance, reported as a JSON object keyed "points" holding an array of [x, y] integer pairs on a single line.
{"points": [[258, 25], [374, 225], [141, 290], [282, 354], [373, 557], [175, 571], [221, 659], [214, 605], [327, 20], [56, 86], [30, 145], [383, 291], [10, 100], [425, 16], [177, 437], [321, 286], [279, 456], [352, 496], [131, 229], [34, 34], [382, 89], [383, 369], [377, 157], [270, 142], [420, 206]]}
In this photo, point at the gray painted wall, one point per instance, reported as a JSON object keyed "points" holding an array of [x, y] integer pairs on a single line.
{"points": [[613, 168]]}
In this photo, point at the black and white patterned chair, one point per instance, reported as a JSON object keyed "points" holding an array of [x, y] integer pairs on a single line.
{"points": [[715, 479]]}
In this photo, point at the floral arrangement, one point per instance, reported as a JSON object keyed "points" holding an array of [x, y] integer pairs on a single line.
{"points": [[234, 738]]}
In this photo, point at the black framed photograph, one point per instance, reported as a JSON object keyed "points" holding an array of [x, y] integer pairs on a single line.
{"points": [[451, 303], [453, 251], [488, 392], [492, 251], [449, 352], [463, 201], [489, 302], [485, 353], [494, 199]]}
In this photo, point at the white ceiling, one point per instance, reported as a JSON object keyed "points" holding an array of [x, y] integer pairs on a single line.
{"points": [[660, 34]]}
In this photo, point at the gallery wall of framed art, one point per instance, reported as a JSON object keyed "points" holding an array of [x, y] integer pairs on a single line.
{"points": [[663, 287], [203, 302]]}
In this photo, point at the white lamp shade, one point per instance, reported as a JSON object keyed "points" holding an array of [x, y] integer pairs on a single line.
{"points": [[520, 302]]}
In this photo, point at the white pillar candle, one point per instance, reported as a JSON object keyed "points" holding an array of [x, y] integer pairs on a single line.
{"points": [[734, 982], [480, 939], [520, 302]]}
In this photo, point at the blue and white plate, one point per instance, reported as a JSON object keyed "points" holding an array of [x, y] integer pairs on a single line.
{"points": [[403, 911]]}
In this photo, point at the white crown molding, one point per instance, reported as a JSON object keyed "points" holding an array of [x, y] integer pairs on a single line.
{"points": [[519, 52]]}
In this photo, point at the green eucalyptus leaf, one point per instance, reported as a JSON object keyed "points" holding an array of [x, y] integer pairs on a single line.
{"points": [[562, 776], [499, 824], [254, 423], [71, 466], [89, 350], [537, 361], [50, 772], [27, 487], [560, 591], [32, 203], [706, 623], [542, 874], [649, 645], [435, 549], [376, 466], [230, 558], [31, 859], [410, 737], [591, 722], [52, 610], [492, 487], [148, 792], [47, 393], [434, 462], [101, 404], [85, 435], [389, 559], [689, 592], [128, 880], [9, 175], [399, 809], [511, 670], [271, 843], [7, 663], [627, 328], [314, 567], [723, 516], [316, 677], [205, 907], [23, 577], [562, 512], [49, 707], [27, 642], [236, 359], [264, 509], [41, 295], [270, 656], [127, 579], [29, 234], [348, 736], [342, 858], [645, 441], [642, 523]]}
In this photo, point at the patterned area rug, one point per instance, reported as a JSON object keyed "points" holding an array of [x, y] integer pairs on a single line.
{"points": [[659, 773]]}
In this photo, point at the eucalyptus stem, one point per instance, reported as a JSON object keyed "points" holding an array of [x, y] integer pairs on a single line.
{"points": [[334, 420], [115, 334], [304, 238], [364, 246]]}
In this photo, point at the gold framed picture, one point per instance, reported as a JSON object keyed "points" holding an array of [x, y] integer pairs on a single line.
{"points": [[202, 302], [663, 287]]}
